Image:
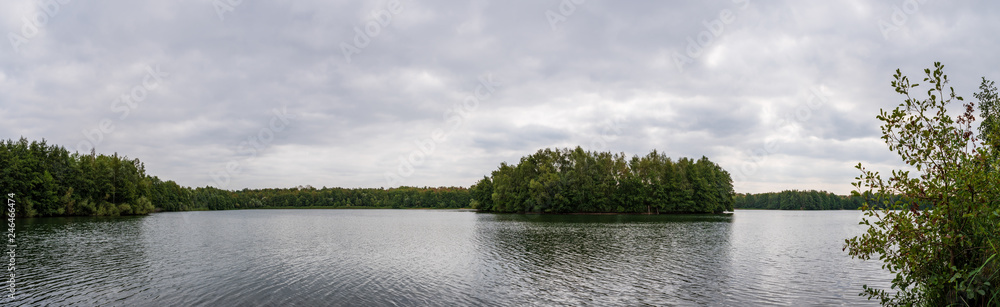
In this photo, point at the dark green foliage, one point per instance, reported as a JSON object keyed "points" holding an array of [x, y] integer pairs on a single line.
{"points": [[564, 181], [49, 181], [305, 196], [805, 200], [176, 198]]}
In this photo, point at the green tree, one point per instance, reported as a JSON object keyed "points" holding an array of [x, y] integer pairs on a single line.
{"points": [[989, 106], [565, 180], [795, 200], [941, 239]]}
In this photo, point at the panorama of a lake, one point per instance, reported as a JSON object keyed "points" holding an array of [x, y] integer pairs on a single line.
{"points": [[306, 257]]}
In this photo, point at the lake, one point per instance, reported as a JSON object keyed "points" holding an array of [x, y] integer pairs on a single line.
{"points": [[307, 257]]}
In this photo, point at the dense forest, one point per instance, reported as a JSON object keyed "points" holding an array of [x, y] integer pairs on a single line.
{"points": [[809, 200], [565, 181], [307, 196], [797, 200], [48, 180]]}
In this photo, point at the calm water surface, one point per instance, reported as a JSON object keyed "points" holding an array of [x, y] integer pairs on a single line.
{"points": [[441, 258]]}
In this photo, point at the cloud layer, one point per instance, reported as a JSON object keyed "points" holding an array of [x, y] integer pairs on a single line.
{"points": [[256, 94]]}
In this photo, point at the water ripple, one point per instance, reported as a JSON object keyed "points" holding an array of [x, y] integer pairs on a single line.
{"points": [[441, 258]]}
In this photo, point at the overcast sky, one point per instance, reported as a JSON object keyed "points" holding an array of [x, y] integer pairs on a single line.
{"points": [[252, 94]]}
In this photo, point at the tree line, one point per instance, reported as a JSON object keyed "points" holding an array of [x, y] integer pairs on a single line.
{"points": [[307, 196], [808, 200], [574, 180], [48, 180]]}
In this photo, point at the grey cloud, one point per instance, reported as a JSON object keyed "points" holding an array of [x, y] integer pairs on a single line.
{"points": [[606, 62]]}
